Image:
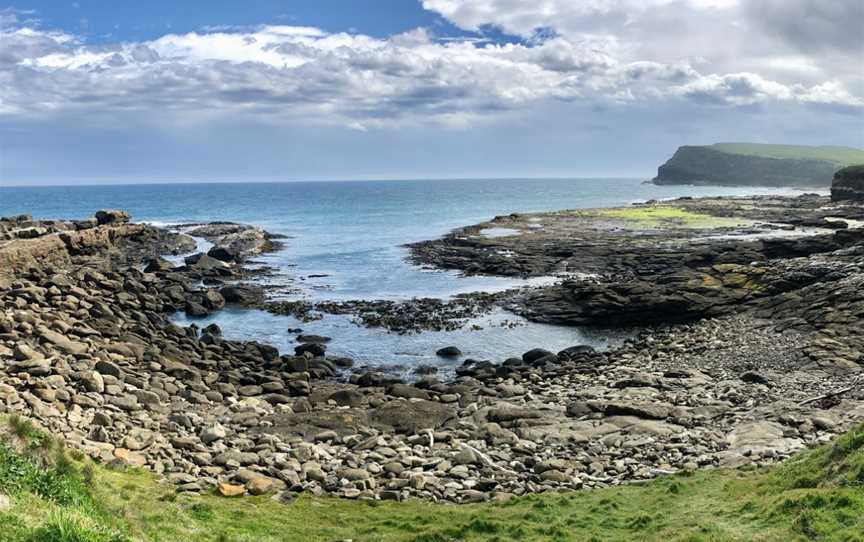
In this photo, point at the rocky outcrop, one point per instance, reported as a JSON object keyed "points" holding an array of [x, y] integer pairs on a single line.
{"points": [[234, 242], [706, 165], [848, 184], [87, 351]]}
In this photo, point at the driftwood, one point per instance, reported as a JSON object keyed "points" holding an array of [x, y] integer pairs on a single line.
{"points": [[828, 395]]}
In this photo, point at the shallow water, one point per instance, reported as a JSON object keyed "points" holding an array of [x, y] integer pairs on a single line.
{"points": [[500, 335], [345, 242]]}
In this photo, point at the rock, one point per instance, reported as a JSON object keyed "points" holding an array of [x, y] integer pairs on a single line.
{"points": [[755, 378], [212, 433], [205, 263], [129, 457], [465, 457], [242, 295], [848, 184], [316, 349], [234, 456], [375, 379], [196, 310], [411, 416], [511, 413], [536, 354], [448, 352], [23, 352], [353, 475], [346, 397], [577, 409], [394, 467], [407, 392], [62, 342], [260, 485], [108, 368], [93, 381], [125, 402], [230, 490], [553, 475], [225, 254], [759, 437], [575, 352], [320, 339], [250, 391], [650, 411], [111, 216], [158, 265]]}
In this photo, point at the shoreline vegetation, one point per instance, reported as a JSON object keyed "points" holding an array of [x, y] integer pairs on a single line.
{"points": [[818, 494], [748, 352]]}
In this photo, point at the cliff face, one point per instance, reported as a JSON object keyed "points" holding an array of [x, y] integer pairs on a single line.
{"points": [[707, 166], [848, 184]]}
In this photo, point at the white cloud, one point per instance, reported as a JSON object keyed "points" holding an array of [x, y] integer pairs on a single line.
{"points": [[278, 74]]}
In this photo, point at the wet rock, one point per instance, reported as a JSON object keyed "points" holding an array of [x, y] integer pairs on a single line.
{"points": [[315, 349], [449, 352]]}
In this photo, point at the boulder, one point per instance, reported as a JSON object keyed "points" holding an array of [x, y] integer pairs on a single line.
{"points": [[259, 485], [111, 216], [242, 295], [449, 352], [848, 184], [320, 339], [230, 490], [62, 342], [536, 354], [213, 433], [156, 265], [316, 349]]}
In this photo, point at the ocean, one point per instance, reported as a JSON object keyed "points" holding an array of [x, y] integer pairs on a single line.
{"points": [[345, 242]]}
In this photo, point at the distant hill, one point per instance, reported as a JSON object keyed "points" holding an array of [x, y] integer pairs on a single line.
{"points": [[755, 164]]}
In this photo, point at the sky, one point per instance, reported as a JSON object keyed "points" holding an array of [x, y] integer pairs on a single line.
{"points": [[99, 91]]}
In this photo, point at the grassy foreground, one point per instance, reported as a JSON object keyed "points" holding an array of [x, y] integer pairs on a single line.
{"points": [[54, 498]]}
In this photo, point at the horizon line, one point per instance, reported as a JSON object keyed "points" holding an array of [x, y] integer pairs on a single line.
{"points": [[299, 181]]}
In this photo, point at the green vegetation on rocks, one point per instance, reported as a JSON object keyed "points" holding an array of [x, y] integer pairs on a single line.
{"points": [[819, 494], [668, 216]]}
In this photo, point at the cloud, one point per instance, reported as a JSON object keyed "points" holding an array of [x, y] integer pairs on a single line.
{"points": [[722, 36], [596, 52], [810, 25]]}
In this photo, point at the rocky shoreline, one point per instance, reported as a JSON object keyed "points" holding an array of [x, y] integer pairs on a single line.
{"points": [[750, 351]]}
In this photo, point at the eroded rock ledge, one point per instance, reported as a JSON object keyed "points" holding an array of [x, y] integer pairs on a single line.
{"points": [[86, 349]]}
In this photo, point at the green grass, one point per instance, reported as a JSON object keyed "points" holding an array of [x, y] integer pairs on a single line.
{"points": [[840, 155], [817, 496], [659, 216]]}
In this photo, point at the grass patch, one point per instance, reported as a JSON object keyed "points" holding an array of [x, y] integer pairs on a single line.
{"points": [[839, 155], [659, 216], [817, 495]]}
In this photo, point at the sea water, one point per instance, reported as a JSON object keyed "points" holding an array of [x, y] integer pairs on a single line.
{"points": [[345, 241]]}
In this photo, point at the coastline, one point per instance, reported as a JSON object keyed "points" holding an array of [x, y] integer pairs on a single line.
{"points": [[204, 411]]}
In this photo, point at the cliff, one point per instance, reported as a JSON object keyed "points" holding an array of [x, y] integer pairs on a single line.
{"points": [[848, 184], [739, 164]]}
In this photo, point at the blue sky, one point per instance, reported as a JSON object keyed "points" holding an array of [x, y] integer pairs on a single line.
{"points": [[98, 91], [110, 20]]}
